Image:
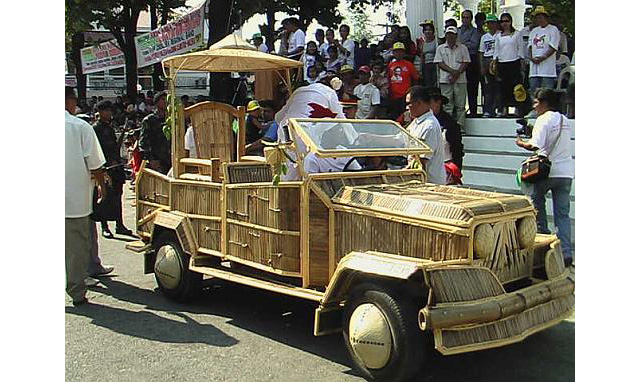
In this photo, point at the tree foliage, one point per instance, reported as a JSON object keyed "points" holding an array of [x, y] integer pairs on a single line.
{"points": [[360, 23]]}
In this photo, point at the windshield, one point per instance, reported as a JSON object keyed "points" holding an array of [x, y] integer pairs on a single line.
{"points": [[340, 137]]}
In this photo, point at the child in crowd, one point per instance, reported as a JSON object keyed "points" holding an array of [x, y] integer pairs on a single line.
{"points": [[380, 80], [334, 63], [309, 58], [312, 74]]}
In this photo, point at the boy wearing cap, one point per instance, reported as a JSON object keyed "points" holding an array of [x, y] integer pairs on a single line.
{"points": [[452, 59], [542, 46], [485, 53], [368, 95], [252, 125], [402, 75], [259, 43]]}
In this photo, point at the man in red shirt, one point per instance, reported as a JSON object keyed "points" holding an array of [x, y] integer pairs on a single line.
{"points": [[402, 76]]}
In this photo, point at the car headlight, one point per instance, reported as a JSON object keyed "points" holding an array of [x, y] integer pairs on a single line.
{"points": [[527, 229], [483, 241]]}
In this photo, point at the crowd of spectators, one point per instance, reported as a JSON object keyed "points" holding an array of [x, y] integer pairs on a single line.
{"points": [[482, 55]]}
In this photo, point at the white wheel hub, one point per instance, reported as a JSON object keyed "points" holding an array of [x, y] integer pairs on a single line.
{"points": [[167, 267], [370, 336]]}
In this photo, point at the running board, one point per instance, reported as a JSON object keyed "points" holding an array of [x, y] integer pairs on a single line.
{"points": [[281, 288], [138, 246]]}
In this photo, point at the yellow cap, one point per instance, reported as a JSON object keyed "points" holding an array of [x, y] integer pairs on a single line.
{"points": [[398, 45], [519, 93], [346, 68], [253, 105]]}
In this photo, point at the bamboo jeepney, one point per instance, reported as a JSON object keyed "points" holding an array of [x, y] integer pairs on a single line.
{"points": [[387, 256]]}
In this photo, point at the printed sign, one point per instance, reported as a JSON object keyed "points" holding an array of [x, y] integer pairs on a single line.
{"points": [[101, 57], [179, 36]]}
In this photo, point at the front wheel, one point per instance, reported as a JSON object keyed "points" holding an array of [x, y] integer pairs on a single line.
{"points": [[381, 333], [171, 270]]}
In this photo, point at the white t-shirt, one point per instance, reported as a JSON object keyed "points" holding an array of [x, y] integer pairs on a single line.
{"points": [[487, 44], [544, 135], [190, 142], [368, 95], [349, 45], [508, 47], [540, 40], [82, 153], [427, 129], [322, 49], [296, 40]]}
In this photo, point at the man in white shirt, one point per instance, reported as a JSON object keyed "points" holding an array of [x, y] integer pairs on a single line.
{"points": [[453, 58], [296, 41], [368, 95], [347, 46], [543, 44], [83, 160], [425, 127]]}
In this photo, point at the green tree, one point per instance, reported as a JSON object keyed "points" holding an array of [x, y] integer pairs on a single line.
{"points": [[565, 11], [78, 16], [360, 23]]}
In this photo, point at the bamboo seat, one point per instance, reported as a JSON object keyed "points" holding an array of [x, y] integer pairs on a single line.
{"points": [[196, 177]]}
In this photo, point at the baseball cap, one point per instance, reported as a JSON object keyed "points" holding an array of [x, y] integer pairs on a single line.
{"points": [[491, 17], [253, 105], [346, 68], [539, 10], [257, 35], [398, 45], [365, 69], [451, 29], [425, 22]]}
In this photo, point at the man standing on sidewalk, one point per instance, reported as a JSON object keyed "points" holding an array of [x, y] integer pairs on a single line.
{"points": [[83, 160], [470, 36], [452, 59]]}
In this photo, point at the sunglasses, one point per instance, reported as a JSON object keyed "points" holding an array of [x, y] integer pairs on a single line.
{"points": [[504, 21]]}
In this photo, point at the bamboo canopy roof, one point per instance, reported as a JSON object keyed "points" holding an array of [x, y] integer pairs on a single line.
{"points": [[454, 205], [231, 54]]}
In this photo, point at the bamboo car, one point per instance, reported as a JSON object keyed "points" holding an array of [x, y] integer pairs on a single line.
{"points": [[391, 260]]}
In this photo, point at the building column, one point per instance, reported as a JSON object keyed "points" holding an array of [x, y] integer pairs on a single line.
{"points": [[516, 9], [420, 10]]}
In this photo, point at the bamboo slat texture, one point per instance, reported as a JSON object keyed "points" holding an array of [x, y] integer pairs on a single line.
{"points": [[212, 127]]}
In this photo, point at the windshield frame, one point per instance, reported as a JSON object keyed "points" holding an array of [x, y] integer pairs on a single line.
{"points": [[294, 123]]}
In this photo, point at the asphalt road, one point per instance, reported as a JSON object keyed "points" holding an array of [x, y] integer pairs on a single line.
{"points": [[131, 332]]}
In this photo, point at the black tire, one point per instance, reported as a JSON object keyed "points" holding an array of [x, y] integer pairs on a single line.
{"points": [[189, 284], [408, 342]]}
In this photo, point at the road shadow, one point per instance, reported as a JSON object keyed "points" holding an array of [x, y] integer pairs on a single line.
{"points": [[150, 326], [544, 357]]}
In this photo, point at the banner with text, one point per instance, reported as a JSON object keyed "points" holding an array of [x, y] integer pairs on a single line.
{"points": [[179, 36], [101, 57]]}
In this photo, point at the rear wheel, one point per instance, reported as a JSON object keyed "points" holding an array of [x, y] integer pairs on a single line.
{"points": [[381, 333], [171, 270]]}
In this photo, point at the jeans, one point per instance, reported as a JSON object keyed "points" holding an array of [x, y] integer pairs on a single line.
{"points": [[560, 190], [541, 82]]}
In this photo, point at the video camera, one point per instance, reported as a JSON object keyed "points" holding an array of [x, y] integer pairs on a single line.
{"points": [[525, 128]]}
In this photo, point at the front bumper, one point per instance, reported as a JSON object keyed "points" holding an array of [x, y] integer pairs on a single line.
{"points": [[489, 317]]}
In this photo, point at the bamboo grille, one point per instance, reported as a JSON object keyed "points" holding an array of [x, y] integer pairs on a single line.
{"points": [[318, 241], [508, 261], [509, 327], [362, 233], [464, 284]]}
